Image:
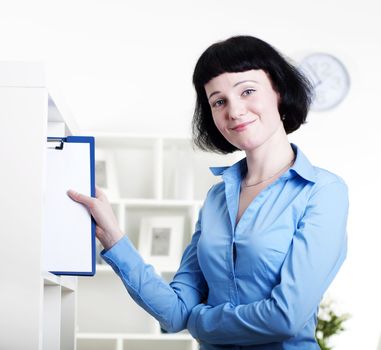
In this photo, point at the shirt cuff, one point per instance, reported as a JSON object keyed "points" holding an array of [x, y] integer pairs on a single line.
{"points": [[122, 256]]}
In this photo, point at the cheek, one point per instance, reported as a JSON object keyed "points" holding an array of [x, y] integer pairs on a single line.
{"points": [[219, 123], [274, 103], [269, 111]]}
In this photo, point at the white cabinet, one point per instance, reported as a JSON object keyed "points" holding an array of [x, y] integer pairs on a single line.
{"points": [[37, 308], [145, 176]]}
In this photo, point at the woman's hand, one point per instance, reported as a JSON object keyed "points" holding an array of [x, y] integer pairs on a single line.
{"points": [[107, 229]]}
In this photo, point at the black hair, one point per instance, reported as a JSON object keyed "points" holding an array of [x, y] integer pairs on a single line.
{"points": [[239, 54]]}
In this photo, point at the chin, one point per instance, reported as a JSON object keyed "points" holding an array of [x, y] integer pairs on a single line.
{"points": [[248, 146]]}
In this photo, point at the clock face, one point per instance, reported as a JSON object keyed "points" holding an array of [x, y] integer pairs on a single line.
{"points": [[329, 78]]}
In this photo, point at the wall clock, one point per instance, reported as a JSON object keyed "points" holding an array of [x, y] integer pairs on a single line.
{"points": [[329, 78]]}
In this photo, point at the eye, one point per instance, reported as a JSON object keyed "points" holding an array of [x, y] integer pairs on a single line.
{"points": [[218, 103], [248, 92]]}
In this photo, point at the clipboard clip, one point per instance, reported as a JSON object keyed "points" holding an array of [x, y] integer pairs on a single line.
{"points": [[56, 140]]}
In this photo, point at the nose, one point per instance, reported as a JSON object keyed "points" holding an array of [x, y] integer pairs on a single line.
{"points": [[237, 109]]}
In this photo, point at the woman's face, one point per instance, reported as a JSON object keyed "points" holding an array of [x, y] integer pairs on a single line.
{"points": [[244, 107]]}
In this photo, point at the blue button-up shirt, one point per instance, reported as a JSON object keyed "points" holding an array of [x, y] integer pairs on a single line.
{"points": [[257, 284]]}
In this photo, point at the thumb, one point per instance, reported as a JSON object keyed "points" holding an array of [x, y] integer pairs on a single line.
{"points": [[79, 197], [99, 192]]}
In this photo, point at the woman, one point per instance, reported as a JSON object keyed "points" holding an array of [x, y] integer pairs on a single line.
{"points": [[270, 237]]}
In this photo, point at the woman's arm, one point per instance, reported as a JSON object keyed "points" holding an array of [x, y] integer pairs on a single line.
{"points": [[316, 253], [171, 303]]}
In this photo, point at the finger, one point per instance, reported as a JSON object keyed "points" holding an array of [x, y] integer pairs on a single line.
{"points": [[79, 197]]}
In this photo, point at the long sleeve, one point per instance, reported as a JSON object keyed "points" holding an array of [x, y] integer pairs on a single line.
{"points": [[170, 303], [317, 251]]}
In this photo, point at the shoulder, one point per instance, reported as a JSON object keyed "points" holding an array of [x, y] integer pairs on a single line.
{"points": [[328, 186], [215, 190], [215, 196], [316, 177], [325, 178]]}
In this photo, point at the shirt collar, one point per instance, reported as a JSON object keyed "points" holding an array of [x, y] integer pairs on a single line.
{"points": [[301, 166]]}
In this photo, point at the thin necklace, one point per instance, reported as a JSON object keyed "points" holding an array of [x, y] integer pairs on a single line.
{"points": [[268, 178]]}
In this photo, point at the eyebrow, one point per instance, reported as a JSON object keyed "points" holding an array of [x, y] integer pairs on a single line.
{"points": [[238, 83]]}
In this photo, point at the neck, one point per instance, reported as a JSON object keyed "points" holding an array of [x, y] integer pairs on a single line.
{"points": [[268, 158]]}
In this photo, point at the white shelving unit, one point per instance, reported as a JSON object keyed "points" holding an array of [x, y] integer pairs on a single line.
{"points": [[150, 175], [37, 307]]}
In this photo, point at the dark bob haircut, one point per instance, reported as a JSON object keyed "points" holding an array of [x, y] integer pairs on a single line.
{"points": [[239, 54]]}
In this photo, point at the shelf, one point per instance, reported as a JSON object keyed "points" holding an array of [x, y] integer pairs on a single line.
{"points": [[122, 141], [104, 268], [157, 167], [122, 341], [66, 282], [127, 138], [156, 202], [135, 336]]}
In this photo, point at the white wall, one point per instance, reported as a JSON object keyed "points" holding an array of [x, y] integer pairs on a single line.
{"points": [[127, 66]]}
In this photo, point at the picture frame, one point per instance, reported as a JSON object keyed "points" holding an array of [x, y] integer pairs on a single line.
{"points": [[161, 241], [105, 173]]}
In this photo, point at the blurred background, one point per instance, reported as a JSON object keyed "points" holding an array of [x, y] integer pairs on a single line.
{"points": [[126, 66]]}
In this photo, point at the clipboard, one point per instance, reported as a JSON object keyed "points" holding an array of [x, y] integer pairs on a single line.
{"points": [[69, 229]]}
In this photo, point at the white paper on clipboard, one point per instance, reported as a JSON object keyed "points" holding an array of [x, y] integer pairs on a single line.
{"points": [[68, 237]]}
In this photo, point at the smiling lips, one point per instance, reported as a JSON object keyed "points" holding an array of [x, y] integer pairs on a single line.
{"points": [[242, 126]]}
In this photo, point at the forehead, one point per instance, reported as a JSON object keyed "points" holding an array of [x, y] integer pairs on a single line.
{"points": [[228, 80]]}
